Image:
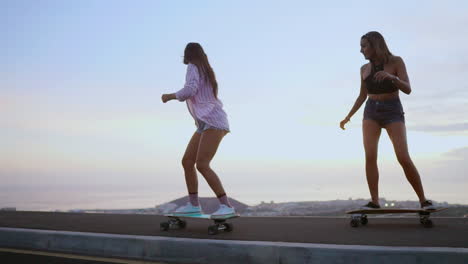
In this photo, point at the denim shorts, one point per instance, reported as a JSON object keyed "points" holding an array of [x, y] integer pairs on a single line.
{"points": [[384, 112], [202, 126]]}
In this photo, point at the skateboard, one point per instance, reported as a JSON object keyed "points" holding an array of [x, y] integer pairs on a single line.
{"points": [[176, 222], [360, 216]]}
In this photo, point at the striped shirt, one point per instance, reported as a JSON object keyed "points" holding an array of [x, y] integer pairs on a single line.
{"points": [[200, 99]]}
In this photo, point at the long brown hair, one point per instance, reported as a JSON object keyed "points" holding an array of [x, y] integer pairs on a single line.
{"points": [[377, 41], [194, 54]]}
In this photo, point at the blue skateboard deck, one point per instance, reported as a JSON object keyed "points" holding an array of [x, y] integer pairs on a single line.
{"points": [[175, 222], [201, 216]]}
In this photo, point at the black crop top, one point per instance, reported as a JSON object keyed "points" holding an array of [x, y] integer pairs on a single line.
{"points": [[375, 87]]}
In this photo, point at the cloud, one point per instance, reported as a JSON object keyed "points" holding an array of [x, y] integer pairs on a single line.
{"points": [[458, 154], [459, 127], [450, 168]]}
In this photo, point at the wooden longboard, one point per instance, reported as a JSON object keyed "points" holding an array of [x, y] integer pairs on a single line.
{"points": [[176, 222], [360, 216], [393, 211]]}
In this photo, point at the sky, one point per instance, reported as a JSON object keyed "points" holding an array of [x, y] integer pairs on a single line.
{"points": [[82, 124]]}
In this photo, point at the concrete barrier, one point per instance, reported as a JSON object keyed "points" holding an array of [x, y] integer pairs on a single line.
{"points": [[206, 251]]}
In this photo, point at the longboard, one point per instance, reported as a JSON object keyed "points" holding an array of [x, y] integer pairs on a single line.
{"points": [[360, 216], [175, 222]]}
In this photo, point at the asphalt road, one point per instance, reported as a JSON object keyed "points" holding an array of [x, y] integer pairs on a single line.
{"points": [[446, 232]]}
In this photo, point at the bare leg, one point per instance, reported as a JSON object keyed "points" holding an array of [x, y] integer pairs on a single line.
{"points": [[207, 148], [188, 162], [397, 133], [371, 133]]}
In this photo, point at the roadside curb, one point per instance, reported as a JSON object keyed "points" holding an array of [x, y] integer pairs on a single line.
{"points": [[201, 251]]}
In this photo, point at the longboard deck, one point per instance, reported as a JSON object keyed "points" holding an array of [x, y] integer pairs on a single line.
{"points": [[201, 216], [393, 211]]}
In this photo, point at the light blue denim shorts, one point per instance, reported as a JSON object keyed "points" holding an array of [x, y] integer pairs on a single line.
{"points": [[202, 126]]}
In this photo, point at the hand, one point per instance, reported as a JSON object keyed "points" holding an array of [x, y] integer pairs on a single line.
{"points": [[383, 75], [166, 97], [342, 123]]}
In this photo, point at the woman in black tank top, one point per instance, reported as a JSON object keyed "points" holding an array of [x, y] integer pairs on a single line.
{"points": [[381, 80], [379, 87]]}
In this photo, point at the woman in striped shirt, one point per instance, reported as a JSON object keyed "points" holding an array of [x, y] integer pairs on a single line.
{"points": [[200, 93]]}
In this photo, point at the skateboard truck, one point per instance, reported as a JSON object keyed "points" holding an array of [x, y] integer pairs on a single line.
{"points": [[220, 225], [357, 219], [173, 223]]}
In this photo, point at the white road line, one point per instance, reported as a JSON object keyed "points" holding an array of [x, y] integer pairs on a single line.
{"points": [[72, 256]]}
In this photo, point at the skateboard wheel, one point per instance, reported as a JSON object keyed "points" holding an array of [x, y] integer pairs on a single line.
{"points": [[213, 230], [229, 227], [354, 223], [427, 223], [164, 226], [182, 224], [364, 220]]}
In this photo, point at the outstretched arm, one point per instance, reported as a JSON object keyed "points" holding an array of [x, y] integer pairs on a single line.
{"points": [[191, 84], [190, 88], [357, 104], [167, 97]]}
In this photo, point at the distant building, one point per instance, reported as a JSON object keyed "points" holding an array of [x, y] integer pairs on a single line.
{"points": [[8, 209], [76, 211]]}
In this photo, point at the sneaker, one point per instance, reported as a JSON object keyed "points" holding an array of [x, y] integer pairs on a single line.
{"points": [[370, 205], [224, 211], [188, 209], [427, 205]]}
